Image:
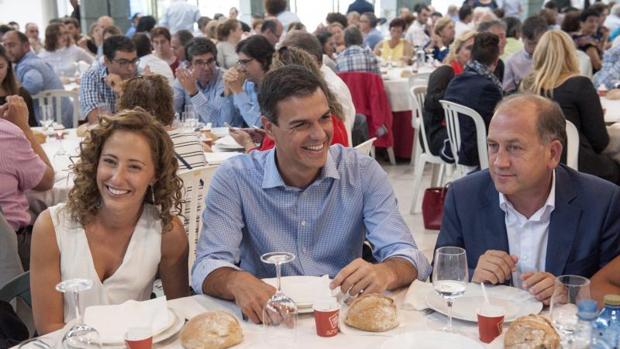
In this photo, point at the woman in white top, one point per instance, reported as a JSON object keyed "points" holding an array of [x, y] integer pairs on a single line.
{"points": [[61, 53], [229, 34], [116, 228]]}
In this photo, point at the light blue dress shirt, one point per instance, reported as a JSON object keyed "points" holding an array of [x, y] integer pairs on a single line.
{"points": [[251, 211], [210, 102], [247, 103]]}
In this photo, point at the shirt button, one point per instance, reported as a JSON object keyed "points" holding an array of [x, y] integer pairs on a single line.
{"points": [[303, 223]]}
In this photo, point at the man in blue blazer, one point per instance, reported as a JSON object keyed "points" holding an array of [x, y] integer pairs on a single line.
{"points": [[527, 218]]}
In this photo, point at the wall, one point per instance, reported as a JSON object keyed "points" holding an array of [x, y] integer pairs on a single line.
{"points": [[24, 11]]}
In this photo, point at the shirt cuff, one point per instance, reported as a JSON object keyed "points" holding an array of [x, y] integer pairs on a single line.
{"points": [[417, 259], [202, 269]]}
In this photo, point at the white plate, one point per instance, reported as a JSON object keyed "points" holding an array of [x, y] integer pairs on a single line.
{"points": [[220, 131], [430, 340], [304, 290], [228, 142], [176, 326], [516, 302]]}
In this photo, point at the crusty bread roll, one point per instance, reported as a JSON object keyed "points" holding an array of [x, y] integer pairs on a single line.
{"points": [[613, 94], [211, 330], [531, 332], [372, 312]]}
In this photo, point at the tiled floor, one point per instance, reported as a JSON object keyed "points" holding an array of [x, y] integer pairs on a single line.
{"points": [[401, 178]]}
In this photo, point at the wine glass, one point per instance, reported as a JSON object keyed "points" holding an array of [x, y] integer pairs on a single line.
{"points": [[47, 117], [568, 291], [280, 311], [80, 335], [450, 276]]}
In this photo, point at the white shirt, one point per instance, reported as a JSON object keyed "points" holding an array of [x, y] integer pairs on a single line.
{"points": [[527, 237], [157, 66], [180, 15], [343, 96], [63, 59], [416, 35], [460, 28]]}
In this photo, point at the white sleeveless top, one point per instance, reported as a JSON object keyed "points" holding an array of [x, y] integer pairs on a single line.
{"points": [[134, 277]]}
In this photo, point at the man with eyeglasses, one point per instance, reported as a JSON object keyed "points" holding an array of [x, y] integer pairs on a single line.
{"points": [[97, 96], [201, 85]]}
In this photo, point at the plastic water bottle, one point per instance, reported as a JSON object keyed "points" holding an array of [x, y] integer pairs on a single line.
{"points": [[606, 328], [586, 314]]}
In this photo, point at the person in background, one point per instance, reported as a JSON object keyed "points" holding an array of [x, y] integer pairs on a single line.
{"points": [[102, 23], [613, 22], [337, 31], [513, 36], [14, 25], [296, 26], [146, 24], [201, 86], [443, 35], [498, 28], [179, 42], [244, 79], [3, 30], [180, 15], [361, 6], [464, 22], [61, 53], [229, 34], [257, 23], [606, 281], [356, 58], [512, 8], [519, 65], [417, 34], [73, 30], [32, 32], [160, 38], [25, 167], [277, 9], [609, 75], [119, 225], [584, 38], [338, 17], [272, 30], [453, 13], [328, 45], [133, 21], [202, 26], [368, 26], [396, 48], [353, 18], [9, 86], [147, 60]]}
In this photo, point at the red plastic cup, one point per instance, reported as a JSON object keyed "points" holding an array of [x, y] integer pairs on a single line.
{"points": [[139, 338], [326, 315], [490, 322]]}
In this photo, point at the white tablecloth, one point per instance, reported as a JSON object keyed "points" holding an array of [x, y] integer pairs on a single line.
{"points": [[612, 110], [254, 335], [397, 87]]}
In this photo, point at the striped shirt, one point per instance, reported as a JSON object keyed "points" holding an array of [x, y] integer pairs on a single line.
{"points": [[251, 211], [94, 91], [188, 147], [357, 59]]}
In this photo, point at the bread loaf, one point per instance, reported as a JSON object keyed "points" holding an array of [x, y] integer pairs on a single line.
{"points": [[211, 330], [531, 332], [372, 312]]}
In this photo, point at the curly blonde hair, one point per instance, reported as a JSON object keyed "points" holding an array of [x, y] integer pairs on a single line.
{"points": [[150, 92], [84, 199]]}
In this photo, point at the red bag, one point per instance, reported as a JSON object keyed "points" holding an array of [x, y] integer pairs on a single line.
{"points": [[432, 207]]}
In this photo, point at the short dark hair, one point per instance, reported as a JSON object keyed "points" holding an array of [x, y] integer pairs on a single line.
{"points": [[145, 24], [269, 24], [337, 17], [534, 27], [117, 43], [487, 25], [5, 28], [419, 7], [486, 48], [513, 27], [599, 7], [398, 22], [184, 36], [570, 23], [551, 5], [353, 36], [275, 7], [71, 20], [200, 46], [280, 84], [465, 11], [20, 36], [142, 43], [112, 30], [257, 47], [372, 18], [306, 42], [203, 21], [323, 36], [161, 31], [589, 12]]}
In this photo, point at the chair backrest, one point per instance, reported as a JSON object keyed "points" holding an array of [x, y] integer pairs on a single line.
{"points": [[54, 98], [572, 146], [18, 287], [366, 147], [419, 79], [452, 111], [193, 204], [418, 93]]}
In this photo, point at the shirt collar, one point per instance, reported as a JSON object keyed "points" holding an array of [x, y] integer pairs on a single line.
{"points": [[272, 178], [541, 213], [213, 81]]}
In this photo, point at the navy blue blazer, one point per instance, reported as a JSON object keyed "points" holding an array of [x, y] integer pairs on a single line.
{"points": [[480, 94], [584, 232]]}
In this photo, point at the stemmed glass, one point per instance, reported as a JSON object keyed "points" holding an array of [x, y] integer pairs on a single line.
{"points": [[280, 311], [450, 276], [80, 335], [568, 291], [47, 118]]}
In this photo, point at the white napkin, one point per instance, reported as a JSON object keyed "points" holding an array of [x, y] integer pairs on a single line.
{"points": [[112, 321], [304, 290], [415, 298], [228, 141], [218, 158]]}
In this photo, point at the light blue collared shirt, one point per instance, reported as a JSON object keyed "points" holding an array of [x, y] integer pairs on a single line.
{"points": [[210, 102], [247, 103], [251, 211]]}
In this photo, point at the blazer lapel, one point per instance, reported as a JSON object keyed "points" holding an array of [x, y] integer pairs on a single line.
{"points": [[494, 222], [564, 224]]}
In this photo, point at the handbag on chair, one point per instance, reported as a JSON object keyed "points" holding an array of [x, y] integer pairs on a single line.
{"points": [[432, 207]]}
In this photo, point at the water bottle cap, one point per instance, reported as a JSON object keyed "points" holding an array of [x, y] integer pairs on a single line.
{"points": [[612, 299]]}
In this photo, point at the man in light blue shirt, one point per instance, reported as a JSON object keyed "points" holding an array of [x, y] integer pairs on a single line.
{"points": [[180, 15], [201, 85], [304, 197], [34, 74]]}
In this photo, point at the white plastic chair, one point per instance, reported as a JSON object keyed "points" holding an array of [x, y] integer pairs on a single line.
{"points": [[452, 111], [421, 155], [193, 205], [572, 146], [366, 147], [54, 98]]}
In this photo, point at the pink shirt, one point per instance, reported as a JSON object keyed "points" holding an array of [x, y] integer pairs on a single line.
{"points": [[21, 169]]}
